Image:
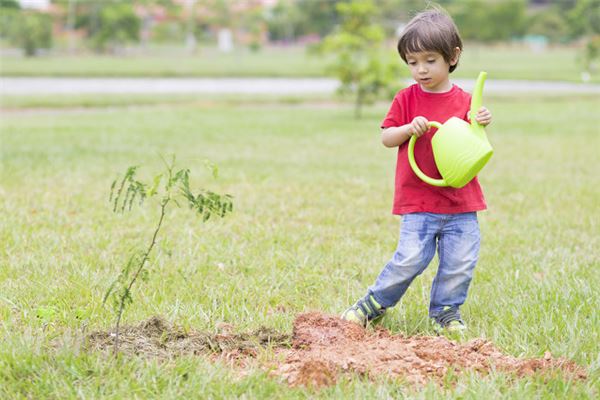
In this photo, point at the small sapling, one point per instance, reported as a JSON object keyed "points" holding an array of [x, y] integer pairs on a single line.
{"points": [[170, 187]]}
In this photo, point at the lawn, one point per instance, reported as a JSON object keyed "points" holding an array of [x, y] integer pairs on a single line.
{"points": [[502, 62], [310, 230]]}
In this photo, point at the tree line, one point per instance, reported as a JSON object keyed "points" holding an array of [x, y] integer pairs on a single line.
{"points": [[107, 25]]}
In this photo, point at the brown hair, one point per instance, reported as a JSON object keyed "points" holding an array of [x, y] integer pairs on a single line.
{"points": [[431, 30]]}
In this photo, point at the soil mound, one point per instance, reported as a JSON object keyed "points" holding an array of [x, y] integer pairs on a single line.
{"points": [[325, 346]]}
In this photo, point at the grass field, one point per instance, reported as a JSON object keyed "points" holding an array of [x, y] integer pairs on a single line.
{"points": [[311, 230], [502, 62]]}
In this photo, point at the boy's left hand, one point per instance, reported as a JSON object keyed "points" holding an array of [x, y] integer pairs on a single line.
{"points": [[484, 116]]}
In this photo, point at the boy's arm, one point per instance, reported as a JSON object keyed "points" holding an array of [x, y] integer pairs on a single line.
{"points": [[394, 136]]}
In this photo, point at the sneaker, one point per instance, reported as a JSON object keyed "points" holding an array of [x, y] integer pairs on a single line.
{"points": [[448, 321], [364, 311]]}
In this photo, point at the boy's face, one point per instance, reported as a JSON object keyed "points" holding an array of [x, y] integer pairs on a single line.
{"points": [[430, 70]]}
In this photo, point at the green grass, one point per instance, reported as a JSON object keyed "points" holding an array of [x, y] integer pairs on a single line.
{"points": [[83, 101], [311, 230], [502, 62]]}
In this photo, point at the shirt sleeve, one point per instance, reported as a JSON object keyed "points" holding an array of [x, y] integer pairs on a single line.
{"points": [[394, 115]]}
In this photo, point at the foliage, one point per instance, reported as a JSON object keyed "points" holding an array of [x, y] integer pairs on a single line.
{"points": [[591, 53], [489, 21], [584, 18], [252, 23], [585, 21], [109, 25], [284, 22], [167, 32], [320, 17], [549, 23], [290, 20], [9, 5], [28, 30], [357, 45], [176, 186]]}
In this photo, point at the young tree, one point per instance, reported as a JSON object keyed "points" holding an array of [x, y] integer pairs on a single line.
{"points": [[171, 187], [360, 64]]}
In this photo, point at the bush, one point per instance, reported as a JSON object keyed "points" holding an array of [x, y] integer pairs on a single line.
{"points": [[117, 25], [549, 23], [489, 22], [28, 30]]}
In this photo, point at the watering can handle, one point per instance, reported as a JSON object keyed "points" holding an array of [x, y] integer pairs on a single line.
{"points": [[413, 163]]}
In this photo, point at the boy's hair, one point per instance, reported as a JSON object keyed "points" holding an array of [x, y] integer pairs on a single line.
{"points": [[431, 30]]}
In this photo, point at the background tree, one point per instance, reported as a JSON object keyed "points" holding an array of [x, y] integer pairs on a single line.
{"points": [[285, 22], [584, 21], [549, 23], [117, 25], [361, 64], [27, 29], [9, 11], [109, 25], [489, 21]]}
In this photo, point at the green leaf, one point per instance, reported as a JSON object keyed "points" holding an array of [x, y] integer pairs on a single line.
{"points": [[46, 314], [212, 168], [155, 184]]}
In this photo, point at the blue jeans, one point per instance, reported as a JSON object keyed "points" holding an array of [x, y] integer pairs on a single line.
{"points": [[456, 237]]}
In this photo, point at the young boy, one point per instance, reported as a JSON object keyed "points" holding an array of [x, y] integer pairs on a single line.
{"points": [[441, 217]]}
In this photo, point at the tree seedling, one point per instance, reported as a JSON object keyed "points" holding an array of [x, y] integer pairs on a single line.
{"points": [[175, 189]]}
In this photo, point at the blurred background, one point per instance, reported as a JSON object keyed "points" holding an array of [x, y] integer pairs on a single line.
{"points": [[519, 39]]}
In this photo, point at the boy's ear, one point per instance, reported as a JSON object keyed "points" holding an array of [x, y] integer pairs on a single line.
{"points": [[454, 59]]}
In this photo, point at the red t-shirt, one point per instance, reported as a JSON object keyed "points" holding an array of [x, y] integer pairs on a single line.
{"points": [[411, 193]]}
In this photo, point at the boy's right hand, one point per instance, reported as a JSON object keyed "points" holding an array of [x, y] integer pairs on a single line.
{"points": [[418, 126]]}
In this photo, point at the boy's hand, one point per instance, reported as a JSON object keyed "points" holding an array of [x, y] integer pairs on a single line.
{"points": [[418, 126], [484, 116]]}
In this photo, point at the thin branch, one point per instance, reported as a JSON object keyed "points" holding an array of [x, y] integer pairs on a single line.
{"points": [[137, 273]]}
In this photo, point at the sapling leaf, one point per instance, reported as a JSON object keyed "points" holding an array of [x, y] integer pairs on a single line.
{"points": [[127, 194], [212, 168], [109, 291], [112, 190], [144, 275], [155, 184]]}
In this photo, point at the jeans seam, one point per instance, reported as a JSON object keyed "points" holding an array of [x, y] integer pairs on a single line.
{"points": [[435, 281]]}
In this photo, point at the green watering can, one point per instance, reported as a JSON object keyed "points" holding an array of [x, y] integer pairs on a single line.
{"points": [[460, 150]]}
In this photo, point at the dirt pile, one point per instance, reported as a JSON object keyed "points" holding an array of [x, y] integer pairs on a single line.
{"points": [[325, 346]]}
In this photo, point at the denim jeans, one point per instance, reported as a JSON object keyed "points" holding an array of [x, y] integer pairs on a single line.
{"points": [[456, 237]]}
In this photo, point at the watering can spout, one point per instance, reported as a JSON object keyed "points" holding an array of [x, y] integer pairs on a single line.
{"points": [[476, 99]]}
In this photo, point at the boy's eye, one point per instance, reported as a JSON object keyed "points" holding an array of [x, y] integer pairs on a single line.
{"points": [[431, 61], [411, 63]]}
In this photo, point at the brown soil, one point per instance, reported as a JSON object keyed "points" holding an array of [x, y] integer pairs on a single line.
{"points": [[323, 347], [157, 338]]}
